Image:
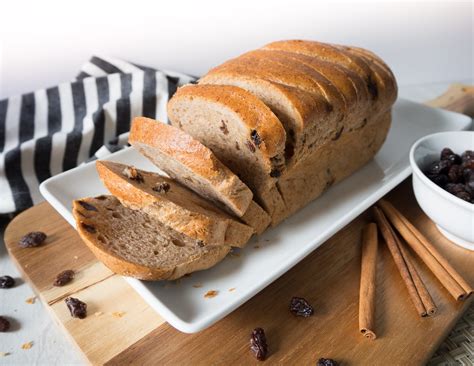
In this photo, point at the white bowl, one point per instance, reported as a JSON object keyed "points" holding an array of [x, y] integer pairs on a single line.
{"points": [[453, 216]]}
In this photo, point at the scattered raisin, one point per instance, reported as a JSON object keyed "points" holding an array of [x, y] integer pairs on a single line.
{"points": [[4, 324], [223, 128], [301, 307], [89, 228], [326, 362], [255, 138], [64, 277], [275, 173], [258, 344], [77, 308], [162, 187], [250, 146], [6, 282], [87, 206], [133, 174], [32, 239]]}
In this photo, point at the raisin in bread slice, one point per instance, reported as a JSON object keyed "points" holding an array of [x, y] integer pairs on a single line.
{"points": [[172, 204], [240, 130], [132, 243], [195, 166]]}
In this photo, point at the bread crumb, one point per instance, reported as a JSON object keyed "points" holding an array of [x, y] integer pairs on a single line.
{"points": [[27, 345], [76, 257], [197, 285], [232, 289], [256, 246], [118, 314], [26, 265], [4, 354], [98, 313], [210, 294], [31, 300]]}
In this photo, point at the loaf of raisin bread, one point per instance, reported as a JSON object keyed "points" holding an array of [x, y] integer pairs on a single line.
{"points": [[332, 101]]}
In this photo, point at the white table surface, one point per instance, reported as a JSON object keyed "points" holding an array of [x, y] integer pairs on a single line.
{"points": [[33, 323]]}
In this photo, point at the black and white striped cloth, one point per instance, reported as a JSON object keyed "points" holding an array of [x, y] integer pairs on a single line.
{"points": [[52, 130]]}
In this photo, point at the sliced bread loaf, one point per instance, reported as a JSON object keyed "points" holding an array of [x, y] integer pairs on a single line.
{"points": [[240, 130], [195, 166], [132, 243], [172, 204], [191, 163]]}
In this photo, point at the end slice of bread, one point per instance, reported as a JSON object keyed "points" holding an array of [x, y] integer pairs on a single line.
{"points": [[251, 142], [173, 204], [132, 243]]}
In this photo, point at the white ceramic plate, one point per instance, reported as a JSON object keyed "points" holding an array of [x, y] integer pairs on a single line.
{"points": [[184, 306]]}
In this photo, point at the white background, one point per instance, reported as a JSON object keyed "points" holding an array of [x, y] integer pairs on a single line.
{"points": [[44, 42]]}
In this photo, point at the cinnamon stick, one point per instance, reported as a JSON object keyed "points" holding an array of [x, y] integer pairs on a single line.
{"points": [[425, 296], [367, 281], [440, 267], [391, 241]]}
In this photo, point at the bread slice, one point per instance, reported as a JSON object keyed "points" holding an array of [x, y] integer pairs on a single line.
{"points": [[191, 163], [131, 243], [172, 204], [240, 130], [195, 166]]}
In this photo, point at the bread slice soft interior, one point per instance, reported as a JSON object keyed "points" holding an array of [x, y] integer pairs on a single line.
{"points": [[132, 243]]}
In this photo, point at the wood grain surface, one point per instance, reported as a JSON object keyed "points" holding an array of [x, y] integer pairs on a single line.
{"points": [[121, 329]]}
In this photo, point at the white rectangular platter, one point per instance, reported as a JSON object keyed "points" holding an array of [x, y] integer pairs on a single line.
{"points": [[280, 248]]}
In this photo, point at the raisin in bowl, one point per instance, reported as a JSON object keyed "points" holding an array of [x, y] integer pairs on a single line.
{"points": [[453, 214]]}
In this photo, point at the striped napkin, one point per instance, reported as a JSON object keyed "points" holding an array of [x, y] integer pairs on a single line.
{"points": [[52, 130]]}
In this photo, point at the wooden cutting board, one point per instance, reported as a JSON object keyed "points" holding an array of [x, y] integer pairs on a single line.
{"points": [[122, 329]]}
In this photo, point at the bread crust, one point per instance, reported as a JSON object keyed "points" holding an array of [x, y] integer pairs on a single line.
{"points": [[381, 87], [259, 117], [325, 167]]}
